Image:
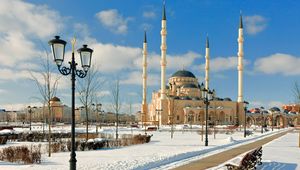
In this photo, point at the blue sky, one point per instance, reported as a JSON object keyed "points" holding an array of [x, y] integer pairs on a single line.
{"points": [[114, 29]]}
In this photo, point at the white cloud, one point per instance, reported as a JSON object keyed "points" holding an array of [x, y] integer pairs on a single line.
{"points": [[114, 21], [82, 30], [135, 78], [15, 47], [135, 107], [33, 20], [103, 93], [2, 91], [146, 26], [113, 58], [149, 14], [174, 62], [82, 35], [125, 107], [21, 22], [28, 65], [19, 106], [223, 63], [15, 75], [278, 63], [8, 74], [255, 24], [266, 104], [132, 94], [110, 58], [256, 104], [275, 104]]}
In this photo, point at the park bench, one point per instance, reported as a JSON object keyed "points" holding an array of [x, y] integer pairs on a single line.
{"points": [[249, 161]]}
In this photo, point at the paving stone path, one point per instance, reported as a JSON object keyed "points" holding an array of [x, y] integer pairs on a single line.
{"points": [[217, 159]]}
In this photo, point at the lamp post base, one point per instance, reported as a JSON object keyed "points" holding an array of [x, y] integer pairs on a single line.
{"points": [[73, 164]]}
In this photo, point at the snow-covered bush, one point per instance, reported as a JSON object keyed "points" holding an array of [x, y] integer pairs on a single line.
{"points": [[56, 147], [25, 154], [3, 139]]}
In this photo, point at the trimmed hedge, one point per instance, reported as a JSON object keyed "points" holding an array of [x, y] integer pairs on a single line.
{"points": [[98, 143]]}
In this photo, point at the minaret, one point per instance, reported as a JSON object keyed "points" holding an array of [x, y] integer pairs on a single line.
{"points": [[144, 102], [207, 64], [163, 48], [240, 61]]}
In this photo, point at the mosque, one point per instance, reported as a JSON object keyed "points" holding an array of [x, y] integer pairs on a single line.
{"points": [[180, 101]]}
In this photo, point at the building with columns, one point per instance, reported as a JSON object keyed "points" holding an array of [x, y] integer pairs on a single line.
{"points": [[180, 99]]}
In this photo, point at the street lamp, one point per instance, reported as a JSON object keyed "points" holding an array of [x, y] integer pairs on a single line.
{"points": [[102, 118], [97, 108], [58, 51], [262, 119], [158, 115], [272, 120], [99, 111], [29, 111], [207, 97], [245, 122]]}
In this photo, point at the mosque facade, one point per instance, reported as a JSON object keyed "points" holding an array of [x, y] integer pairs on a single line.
{"points": [[180, 100]]}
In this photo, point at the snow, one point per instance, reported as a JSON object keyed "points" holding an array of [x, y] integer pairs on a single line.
{"points": [[281, 153], [161, 153], [6, 131]]}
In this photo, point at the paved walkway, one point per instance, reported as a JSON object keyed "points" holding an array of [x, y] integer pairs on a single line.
{"points": [[217, 159], [282, 153]]}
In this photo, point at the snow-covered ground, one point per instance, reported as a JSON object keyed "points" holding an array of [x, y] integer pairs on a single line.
{"points": [[161, 153], [280, 154]]}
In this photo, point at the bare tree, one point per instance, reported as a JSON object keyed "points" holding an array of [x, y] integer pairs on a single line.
{"points": [[296, 92], [46, 83], [116, 103], [173, 106], [88, 89]]}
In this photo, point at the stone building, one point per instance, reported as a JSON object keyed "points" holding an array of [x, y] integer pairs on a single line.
{"points": [[57, 109], [274, 116]]}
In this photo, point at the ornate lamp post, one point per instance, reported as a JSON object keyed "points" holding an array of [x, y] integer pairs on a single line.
{"points": [[30, 112], [158, 115], [102, 118], [262, 119], [207, 97], [58, 51], [245, 122], [97, 109], [99, 112], [272, 120]]}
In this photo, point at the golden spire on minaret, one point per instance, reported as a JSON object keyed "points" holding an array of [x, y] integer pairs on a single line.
{"points": [[73, 42]]}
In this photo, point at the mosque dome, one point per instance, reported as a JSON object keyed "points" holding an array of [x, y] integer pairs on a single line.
{"points": [[189, 86], [55, 99], [183, 73]]}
